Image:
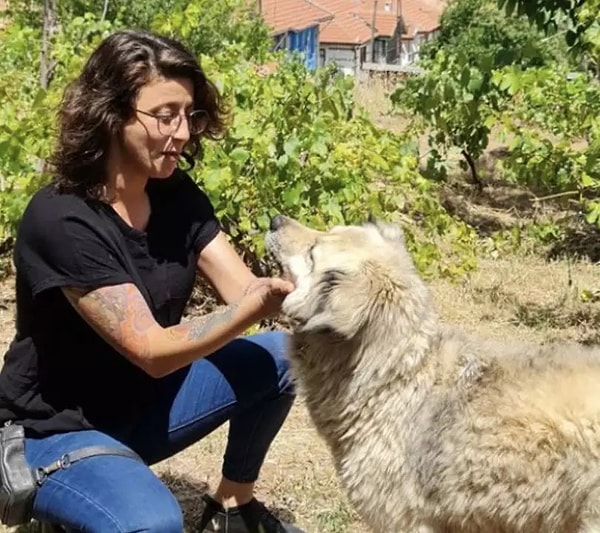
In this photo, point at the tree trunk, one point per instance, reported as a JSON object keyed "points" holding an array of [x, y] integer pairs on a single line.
{"points": [[46, 64], [471, 164], [104, 9]]}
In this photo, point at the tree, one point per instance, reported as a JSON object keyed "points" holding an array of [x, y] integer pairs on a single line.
{"points": [[295, 142], [579, 20], [482, 31], [455, 97]]}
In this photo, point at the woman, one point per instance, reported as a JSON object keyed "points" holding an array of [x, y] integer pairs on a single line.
{"points": [[106, 257]]}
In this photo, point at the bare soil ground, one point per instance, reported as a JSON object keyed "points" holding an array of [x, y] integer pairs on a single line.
{"points": [[523, 296]]}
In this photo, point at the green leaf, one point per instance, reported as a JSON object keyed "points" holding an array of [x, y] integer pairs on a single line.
{"points": [[510, 7], [319, 148], [245, 225], [593, 215], [465, 75], [239, 156], [291, 147], [263, 221], [291, 197], [216, 179], [475, 81], [282, 160], [588, 182]]}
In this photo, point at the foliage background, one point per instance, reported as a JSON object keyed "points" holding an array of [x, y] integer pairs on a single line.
{"points": [[298, 142]]}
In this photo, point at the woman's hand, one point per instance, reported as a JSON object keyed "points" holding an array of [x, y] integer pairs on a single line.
{"points": [[263, 297]]}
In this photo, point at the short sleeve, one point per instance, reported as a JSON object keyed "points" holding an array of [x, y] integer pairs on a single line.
{"points": [[205, 225], [62, 242]]}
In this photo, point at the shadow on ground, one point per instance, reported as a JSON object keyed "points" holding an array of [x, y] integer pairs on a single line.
{"points": [[580, 242], [188, 492]]}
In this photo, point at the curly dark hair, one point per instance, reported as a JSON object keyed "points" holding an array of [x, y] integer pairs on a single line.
{"points": [[102, 98]]}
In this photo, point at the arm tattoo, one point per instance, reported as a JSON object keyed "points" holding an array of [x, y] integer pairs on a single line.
{"points": [[122, 317], [201, 326], [118, 313]]}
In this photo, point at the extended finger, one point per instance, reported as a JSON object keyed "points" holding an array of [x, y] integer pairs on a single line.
{"points": [[281, 285]]}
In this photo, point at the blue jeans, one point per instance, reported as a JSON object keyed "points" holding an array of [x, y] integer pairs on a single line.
{"points": [[246, 382]]}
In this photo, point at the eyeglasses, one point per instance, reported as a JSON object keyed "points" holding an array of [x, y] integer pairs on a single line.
{"points": [[168, 123]]}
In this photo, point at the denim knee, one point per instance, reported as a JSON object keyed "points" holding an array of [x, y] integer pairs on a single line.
{"points": [[277, 343], [153, 510], [166, 523]]}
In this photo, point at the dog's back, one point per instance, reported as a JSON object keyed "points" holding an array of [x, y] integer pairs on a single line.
{"points": [[508, 437]]}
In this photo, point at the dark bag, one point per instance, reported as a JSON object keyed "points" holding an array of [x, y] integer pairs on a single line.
{"points": [[19, 482]]}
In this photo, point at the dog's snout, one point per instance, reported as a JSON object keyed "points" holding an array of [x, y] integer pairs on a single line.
{"points": [[276, 222]]}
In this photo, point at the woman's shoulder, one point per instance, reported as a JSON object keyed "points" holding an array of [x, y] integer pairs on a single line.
{"points": [[49, 209], [50, 203]]}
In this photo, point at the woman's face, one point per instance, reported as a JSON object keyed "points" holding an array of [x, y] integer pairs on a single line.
{"points": [[150, 146]]}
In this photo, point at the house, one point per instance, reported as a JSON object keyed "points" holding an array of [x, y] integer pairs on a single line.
{"points": [[357, 33], [421, 22], [377, 31], [295, 26]]}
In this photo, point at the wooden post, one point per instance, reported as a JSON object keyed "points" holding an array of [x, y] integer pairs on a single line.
{"points": [[373, 31]]}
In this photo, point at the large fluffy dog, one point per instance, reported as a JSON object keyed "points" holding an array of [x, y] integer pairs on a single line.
{"points": [[430, 430]]}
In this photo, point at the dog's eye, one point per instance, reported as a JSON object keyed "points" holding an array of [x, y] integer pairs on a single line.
{"points": [[308, 258], [310, 254]]}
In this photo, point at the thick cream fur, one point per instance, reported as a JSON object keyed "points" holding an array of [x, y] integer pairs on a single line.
{"points": [[432, 430]]}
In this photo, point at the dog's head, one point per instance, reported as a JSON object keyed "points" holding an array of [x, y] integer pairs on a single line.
{"points": [[346, 277]]}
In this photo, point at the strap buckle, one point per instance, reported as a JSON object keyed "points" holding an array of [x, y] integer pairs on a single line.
{"points": [[65, 461]]}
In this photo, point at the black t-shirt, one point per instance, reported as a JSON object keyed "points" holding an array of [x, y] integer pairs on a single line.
{"points": [[59, 374]]}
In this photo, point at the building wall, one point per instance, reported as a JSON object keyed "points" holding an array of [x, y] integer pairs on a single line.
{"points": [[345, 57], [395, 51], [304, 42], [307, 43], [410, 48]]}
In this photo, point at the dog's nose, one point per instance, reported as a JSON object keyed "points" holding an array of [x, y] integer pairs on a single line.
{"points": [[276, 222]]}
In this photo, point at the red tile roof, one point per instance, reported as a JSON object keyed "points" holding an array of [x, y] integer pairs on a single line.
{"points": [[385, 21], [283, 15], [347, 27], [348, 22], [422, 15]]}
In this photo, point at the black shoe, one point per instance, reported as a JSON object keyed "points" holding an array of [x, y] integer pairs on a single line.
{"points": [[252, 517]]}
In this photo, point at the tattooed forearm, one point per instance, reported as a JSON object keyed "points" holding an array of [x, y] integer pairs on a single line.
{"points": [[201, 326], [119, 313], [122, 317]]}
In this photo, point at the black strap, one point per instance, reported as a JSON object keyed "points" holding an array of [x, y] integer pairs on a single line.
{"points": [[69, 458]]}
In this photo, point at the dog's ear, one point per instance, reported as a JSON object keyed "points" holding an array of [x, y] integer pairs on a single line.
{"points": [[389, 231], [334, 314], [320, 323], [335, 324]]}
